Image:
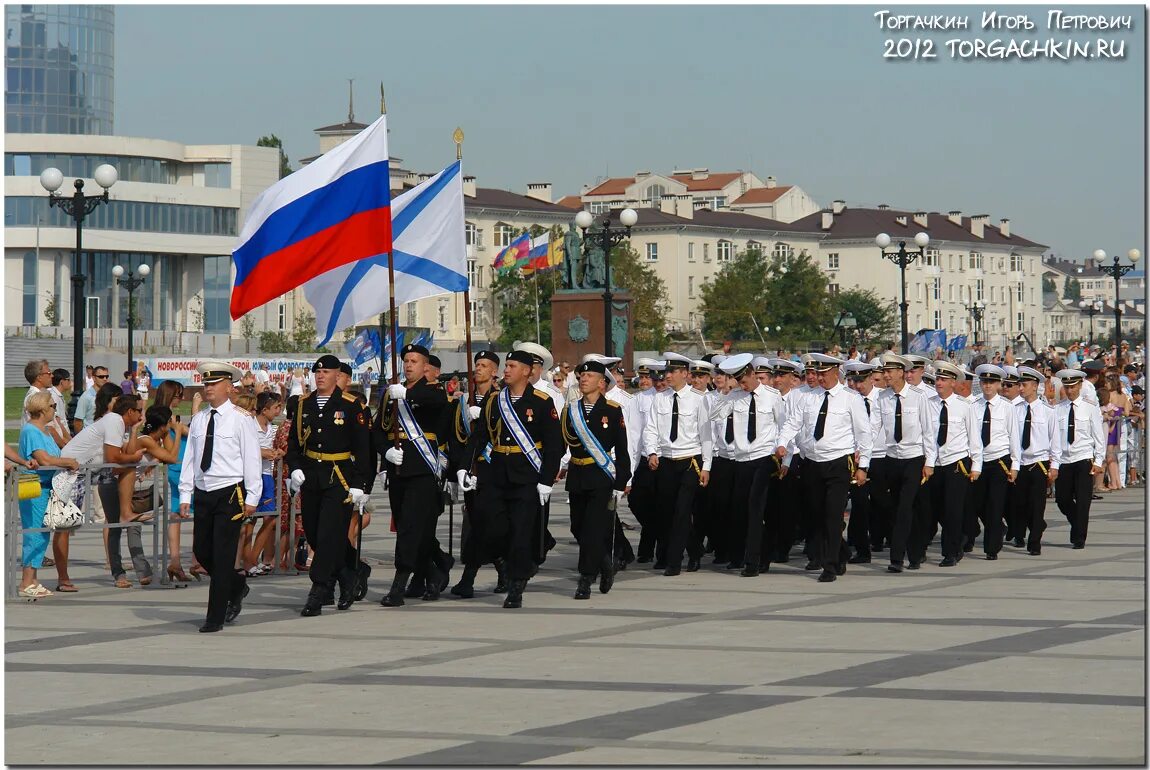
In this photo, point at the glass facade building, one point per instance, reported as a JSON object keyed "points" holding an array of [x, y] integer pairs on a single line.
{"points": [[58, 62]]}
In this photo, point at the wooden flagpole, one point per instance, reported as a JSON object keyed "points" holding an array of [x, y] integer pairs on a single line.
{"points": [[457, 137]]}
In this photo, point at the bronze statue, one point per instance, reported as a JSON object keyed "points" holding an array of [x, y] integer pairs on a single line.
{"points": [[572, 257], [595, 268]]}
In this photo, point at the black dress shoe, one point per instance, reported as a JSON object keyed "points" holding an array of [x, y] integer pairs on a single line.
{"points": [[643, 560], [1096, 497], [431, 592], [735, 565], [1079, 545], [311, 609], [859, 558], [415, 589], [764, 566], [992, 557], [812, 566], [827, 577], [948, 562], [841, 568], [583, 590], [1034, 552], [1019, 542], [914, 565], [362, 573], [659, 564], [692, 564], [895, 568], [606, 580], [211, 628], [672, 571], [234, 607], [463, 590], [968, 545], [749, 571], [514, 598]]}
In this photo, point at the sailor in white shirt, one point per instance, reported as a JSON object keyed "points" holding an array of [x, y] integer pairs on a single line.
{"points": [[990, 468], [720, 489], [751, 415], [677, 443], [702, 375], [1093, 372], [789, 377], [221, 476], [1010, 391], [952, 438], [1040, 443], [861, 527], [839, 429], [915, 374], [1083, 441], [905, 423], [643, 499]]}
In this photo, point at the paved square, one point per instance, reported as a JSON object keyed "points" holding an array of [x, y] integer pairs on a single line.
{"points": [[1023, 660]]}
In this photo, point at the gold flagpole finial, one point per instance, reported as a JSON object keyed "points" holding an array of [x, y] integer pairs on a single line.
{"points": [[382, 101], [457, 137]]}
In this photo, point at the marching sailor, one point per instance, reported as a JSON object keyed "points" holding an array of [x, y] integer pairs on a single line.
{"points": [[1040, 447], [951, 440], [1083, 442], [991, 468]]}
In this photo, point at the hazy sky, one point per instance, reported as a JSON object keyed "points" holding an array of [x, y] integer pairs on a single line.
{"points": [[569, 94]]}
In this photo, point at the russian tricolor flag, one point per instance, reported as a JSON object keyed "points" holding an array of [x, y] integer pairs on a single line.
{"points": [[332, 212]]}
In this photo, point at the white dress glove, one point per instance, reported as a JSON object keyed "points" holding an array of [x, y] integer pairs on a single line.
{"points": [[297, 478], [394, 455], [544, 493], [357, 496], [474, 411], [397, 391], [467, 482]]}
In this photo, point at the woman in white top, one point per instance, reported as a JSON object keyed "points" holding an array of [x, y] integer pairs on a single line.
{"points": [[296, 383], [267, 408], [143, 382]]}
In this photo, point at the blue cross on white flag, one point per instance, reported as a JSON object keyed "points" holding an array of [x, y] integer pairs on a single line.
{"points": [[430, 250]]}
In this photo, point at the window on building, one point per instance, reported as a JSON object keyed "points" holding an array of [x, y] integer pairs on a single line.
{"points": [[599, 207], [691, 286], [936, 287], [652, 252], [978, 289], [412, 313], [712, 202], [724, 251], [783, 251], [930, 257], [755, 246], [472, 273], [1020, 319], [706, 252], [937, 319], [504, 234], [1016, 263], [691, 252], [218, 175], [281, 316], [975, 260], [476, 309], [950, 292], [832, 261], [472, 234], [833, 289], [655, 194], [1022, 292], [918, 292], [217, 295], [28, 316]]}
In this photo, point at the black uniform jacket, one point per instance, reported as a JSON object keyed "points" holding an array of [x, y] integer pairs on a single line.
{"points": [[429, 405], [460, 459], [536, 411], [341, 426], [606, 423]]}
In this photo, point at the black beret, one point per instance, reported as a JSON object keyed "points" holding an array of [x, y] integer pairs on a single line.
{"points": [[434, 361], [345, 368], [326, 362], [522, 356], [415, 349], [591, 366], [488, 355]]}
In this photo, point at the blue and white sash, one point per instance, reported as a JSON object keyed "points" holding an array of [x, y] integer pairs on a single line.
{"points": [[518, 430], [464, 417], [407, 421], [592, 445]]}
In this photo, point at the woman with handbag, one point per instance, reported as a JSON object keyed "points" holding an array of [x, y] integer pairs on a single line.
{"points": [[37, 444]]}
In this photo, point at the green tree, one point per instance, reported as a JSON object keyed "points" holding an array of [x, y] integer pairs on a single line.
{"points": [[1071, 289], [247, 331], [51, 309], [304, 333], [735, 299], [796, 299], [649, 297], [875, 318], [1048, 285], [274, 141]]}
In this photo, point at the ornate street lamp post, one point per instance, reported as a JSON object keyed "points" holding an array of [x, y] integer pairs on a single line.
{"points": [[131, 283], [1116, 271], [902, 258]]}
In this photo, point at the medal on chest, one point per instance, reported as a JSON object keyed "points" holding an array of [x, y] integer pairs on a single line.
{"points": [[604, 422], [530, 415], [338, 418]]}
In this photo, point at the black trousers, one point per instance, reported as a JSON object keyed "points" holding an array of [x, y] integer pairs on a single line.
{"points": [[719, 525], [1029, 501], [514, 520], [988, 500], [859, 525], [415, 504], [903, 480], [678, 483], [326, 518], [790, 497], [1013, 520], [1072, 491], [827, 485], [216, 522], [473, 533], [643, 501], [593, 523], [880, 513], [948, 488], [753, 481]]}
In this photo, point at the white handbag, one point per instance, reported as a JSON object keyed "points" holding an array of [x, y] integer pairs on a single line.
{"points": [[62, 514]]}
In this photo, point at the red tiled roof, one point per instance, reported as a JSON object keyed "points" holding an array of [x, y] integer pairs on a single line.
{"points": [[570, 202], [760, 195], [867, 223], [615, 186], [712, 182]]}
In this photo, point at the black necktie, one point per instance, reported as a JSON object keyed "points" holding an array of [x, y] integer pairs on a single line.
{"points": [[942, 424], [209, 441], [1070, 425], [1026, 429], [675, 418], [897, 418], [866, 403], [821, 422], [986, 425], [751, 420], [730, 434]]}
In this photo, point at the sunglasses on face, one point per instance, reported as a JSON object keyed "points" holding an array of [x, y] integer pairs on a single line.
{"points": [[99, 377]]}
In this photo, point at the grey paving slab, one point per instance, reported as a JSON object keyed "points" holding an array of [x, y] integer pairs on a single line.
{"points": [[1022, 660]]}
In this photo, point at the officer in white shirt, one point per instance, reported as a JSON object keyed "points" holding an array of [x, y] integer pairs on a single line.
{"points": [[861, 379], [643, 499], [903, 412], [1040, 443], [1083, 441], [751, 415], [677, 442], [719, 490], [952, 438], [835, 420], [991, 469], [220, 480]]}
